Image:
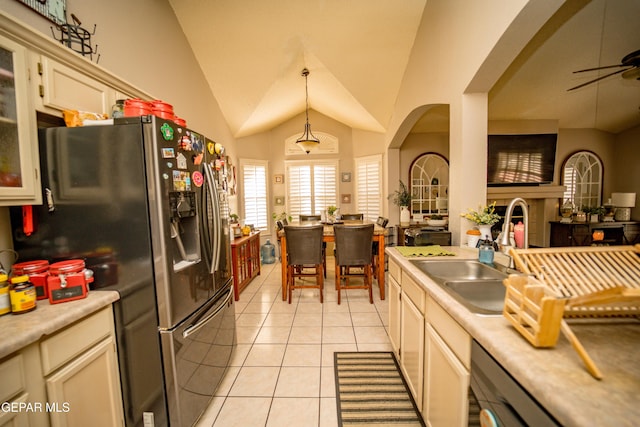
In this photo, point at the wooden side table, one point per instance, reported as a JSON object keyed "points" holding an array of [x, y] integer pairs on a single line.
{"points": [[245, 258]]}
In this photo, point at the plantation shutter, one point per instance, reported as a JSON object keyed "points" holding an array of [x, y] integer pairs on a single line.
{"points": [[369, 187], [254, 183], [311, 187]]}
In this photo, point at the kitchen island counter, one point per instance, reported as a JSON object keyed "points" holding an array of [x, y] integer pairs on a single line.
{"points": [[556, 377], [20, 330]]}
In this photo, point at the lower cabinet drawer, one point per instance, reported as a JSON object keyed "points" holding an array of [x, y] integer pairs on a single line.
{"points": [[74, 340], [13, 377]]}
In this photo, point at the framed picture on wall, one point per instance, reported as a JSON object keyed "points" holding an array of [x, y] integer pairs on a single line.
{"points": [[278, 179], [279, 201], [345, 198], [346, 177]]}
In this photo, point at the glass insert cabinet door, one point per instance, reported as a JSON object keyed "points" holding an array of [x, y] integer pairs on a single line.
{"points": [[18, 136], [429, 184]]}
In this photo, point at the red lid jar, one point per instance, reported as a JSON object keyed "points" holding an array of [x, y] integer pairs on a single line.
{"points": [[180, 121], [162, 109], [68, 281], [38, 271], [136, 107]]}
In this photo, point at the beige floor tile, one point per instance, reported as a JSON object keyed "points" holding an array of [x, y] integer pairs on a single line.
{"points": [[279, 319], [255, 382], [328, 412], [361, 306], [273, 335], [227, 381], [306, 335], [366, 319], [247, 334], [238, 356], [290, 412], [371, 334], [250, 319], [337, 335], [309, 307], [337, 319], [265, 355], [209, 415], [307, 319], [302, 355], [298, 381], [375, 347], [280, 306], [243, 412], [258, 307], [327, 382]]}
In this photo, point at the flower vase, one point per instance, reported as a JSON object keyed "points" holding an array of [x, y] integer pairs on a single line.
{"points": [[405, 216], [485, 231]]}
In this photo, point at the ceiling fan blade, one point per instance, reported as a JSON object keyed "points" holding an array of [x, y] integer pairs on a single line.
{"points": [[599, 78], [600, 68]]}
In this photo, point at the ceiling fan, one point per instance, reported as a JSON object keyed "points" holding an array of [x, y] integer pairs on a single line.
{"points": [[630, 65]]}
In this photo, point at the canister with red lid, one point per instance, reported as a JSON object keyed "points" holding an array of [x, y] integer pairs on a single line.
{"points": [[68, 280], [38, 272]]}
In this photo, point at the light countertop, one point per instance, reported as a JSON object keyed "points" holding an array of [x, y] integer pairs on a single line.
{"points": [[20, 330], [556, 377]]}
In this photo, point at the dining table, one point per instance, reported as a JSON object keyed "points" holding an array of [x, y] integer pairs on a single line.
{"points": [[379, 234]]}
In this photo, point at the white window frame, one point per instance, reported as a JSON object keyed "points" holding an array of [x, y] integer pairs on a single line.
{"points": [[259, 218], [317, 206], [582, 176], [368, 186]]}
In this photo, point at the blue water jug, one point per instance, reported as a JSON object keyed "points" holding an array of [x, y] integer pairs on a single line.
{"points": [[268, 253]]}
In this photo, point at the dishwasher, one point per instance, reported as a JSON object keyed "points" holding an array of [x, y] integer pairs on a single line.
{"points": [[496, 399]]}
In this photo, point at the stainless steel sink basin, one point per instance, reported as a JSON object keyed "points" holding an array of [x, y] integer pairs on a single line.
{"points": [[458, 270], [475, 285], [484, 297]]}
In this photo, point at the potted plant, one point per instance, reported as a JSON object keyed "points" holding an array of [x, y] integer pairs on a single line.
{"points": [[484, 218], [402, 198], [280, 216], [437, 220], [234, 218], [593, 213], [331, 213]]}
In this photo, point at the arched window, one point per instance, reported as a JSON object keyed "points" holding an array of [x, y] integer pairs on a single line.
{"points": [[429, 184], [582, 175]]}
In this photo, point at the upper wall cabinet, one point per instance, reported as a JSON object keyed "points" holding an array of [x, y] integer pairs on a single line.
{"points": [[63, 88], [19, 174]]}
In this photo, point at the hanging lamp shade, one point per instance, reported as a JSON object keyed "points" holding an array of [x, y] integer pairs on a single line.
{"points": [[307, 141]]}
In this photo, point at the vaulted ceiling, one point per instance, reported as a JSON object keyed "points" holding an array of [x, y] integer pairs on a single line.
{"points": [[252, 54]]}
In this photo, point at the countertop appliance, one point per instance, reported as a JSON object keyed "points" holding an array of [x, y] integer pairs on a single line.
{"points": [[141, 203], [427, 236], [496, 399]]}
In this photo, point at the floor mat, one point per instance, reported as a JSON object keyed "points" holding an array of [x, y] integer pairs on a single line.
{"points": [[370, 390]]}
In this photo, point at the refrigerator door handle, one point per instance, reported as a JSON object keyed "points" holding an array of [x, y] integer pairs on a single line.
{"points": [[217, 223], [201, 322]]}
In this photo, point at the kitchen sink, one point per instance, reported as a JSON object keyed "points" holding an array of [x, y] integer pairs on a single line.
{"points": [[475, 285]]}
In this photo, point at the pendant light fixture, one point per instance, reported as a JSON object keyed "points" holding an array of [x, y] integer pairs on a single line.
{"points": [[307, 141]]}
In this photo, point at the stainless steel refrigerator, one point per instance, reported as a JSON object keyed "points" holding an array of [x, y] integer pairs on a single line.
{"points": [[142, 202]]}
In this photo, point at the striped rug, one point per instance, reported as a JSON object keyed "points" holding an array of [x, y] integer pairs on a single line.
{"points": [[370, 390]]}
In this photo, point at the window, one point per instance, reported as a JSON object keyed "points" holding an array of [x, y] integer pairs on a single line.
{"points": [[429, 184], [369, 186], [582, 175], [254, 186], [311, 186]]}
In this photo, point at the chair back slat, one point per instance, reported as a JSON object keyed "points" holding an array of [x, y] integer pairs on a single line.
{"points": [[304, 218], [304, 244], [353, 217], [353, 244]]}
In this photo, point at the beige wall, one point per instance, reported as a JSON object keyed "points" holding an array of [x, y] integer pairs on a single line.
{"points": [[626, 174]]}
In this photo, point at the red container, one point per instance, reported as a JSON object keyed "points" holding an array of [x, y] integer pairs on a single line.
{"points": [[38, 272], [162, 109], [179, 121], [68, 281], [137, 107]]}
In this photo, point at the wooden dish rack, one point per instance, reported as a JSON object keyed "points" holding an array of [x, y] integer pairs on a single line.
{"points": [[571, 282]]}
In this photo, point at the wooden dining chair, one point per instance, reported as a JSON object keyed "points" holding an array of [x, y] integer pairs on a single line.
{"points": [[353, 257], [307, 218], [304, 253], [382, 222], [352, 217]]}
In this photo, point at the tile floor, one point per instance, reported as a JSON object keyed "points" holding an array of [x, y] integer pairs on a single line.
{"points": [[282, 371]]}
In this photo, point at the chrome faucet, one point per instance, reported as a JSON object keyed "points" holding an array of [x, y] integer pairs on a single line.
{"points": [[504, 240]]}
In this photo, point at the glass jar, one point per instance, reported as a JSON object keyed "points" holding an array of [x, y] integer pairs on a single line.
{"points": [[118, 109], [22, 294], [5, 301]]}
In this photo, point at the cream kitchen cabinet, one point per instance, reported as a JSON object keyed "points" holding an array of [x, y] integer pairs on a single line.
{"points": [[447, 367], [22, 384], [61, 87], [407, 306], [81, 358], [19, 165]]}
